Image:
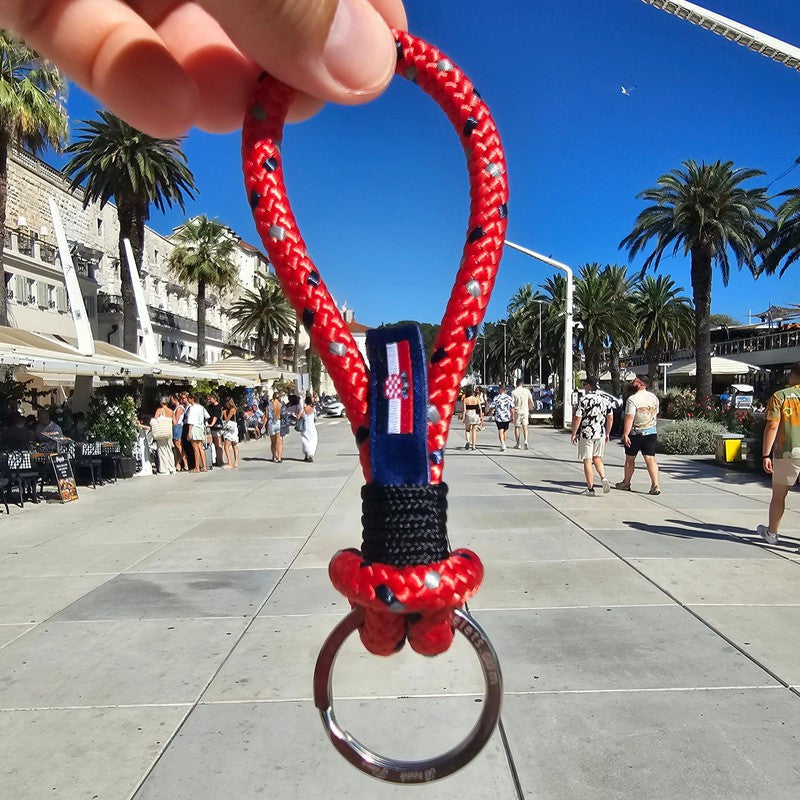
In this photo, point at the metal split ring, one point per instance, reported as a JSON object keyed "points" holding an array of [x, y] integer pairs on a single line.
{"points": [[394, 770]]}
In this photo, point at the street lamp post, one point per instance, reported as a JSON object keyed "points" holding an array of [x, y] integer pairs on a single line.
{"points": [[505, 365], [568, 325], [665, 365], [540, 341]]}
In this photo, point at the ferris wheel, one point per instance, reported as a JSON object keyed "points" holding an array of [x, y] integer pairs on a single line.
{"points": [[769, 46]]}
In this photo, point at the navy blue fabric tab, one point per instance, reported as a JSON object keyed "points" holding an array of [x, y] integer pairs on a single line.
{"points": [[398, 436]]}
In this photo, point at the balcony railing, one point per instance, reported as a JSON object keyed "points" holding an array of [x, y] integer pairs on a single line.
{"points": [[758, 344]]}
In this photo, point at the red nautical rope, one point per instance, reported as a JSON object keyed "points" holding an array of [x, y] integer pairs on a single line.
{"points": [[459, 576]]}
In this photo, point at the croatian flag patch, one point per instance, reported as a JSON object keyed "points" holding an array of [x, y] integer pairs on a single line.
{"points": [[398, 406]]}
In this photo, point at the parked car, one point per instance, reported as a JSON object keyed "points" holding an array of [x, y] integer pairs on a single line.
{"points": [[331, 406]]}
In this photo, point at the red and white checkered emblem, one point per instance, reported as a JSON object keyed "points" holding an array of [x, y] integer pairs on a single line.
{"points": [[393, 387]]}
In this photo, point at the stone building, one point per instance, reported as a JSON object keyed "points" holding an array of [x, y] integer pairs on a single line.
{"points": [[37, 299]]}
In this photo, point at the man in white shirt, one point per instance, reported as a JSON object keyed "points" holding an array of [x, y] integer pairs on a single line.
{"points": [[195, 418], [523, 405]]}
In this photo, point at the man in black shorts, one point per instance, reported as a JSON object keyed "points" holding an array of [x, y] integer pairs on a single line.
{"points": [[640, 435]]}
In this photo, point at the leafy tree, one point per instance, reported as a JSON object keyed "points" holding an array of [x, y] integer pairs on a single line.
{"points": [[718, 320], [266, 315], [664, 319], [782, 242], [111, 159], [204, 254], [32, 115], [524, 312], [703, 211]]}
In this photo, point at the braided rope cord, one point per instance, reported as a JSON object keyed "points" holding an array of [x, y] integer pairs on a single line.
{"points": [[262, 134], [401, 600]]}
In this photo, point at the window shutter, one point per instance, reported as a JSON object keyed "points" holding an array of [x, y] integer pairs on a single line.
{"points": [[41, 294], [19, 289], [61, 300]]}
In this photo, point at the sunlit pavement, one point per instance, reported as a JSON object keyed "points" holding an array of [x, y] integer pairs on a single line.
{"points": [[158, 636]]}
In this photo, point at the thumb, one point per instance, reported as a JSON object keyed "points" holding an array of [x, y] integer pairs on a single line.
{"points": [[335, 50]]}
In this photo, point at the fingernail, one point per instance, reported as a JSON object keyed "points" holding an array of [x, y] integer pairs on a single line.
{"points": [[358, 52]]}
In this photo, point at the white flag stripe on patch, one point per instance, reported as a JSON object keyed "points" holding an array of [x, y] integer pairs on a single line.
{"points": [[393, 368]]}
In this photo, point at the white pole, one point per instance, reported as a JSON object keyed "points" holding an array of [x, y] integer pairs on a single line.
{"points": [[568, 325], [149, 349], [734, 31], [83, 328]]}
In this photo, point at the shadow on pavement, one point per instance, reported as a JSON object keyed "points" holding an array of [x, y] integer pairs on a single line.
{"points": [[687, 529]]}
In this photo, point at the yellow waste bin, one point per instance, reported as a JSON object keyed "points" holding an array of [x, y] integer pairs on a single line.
{"points": [[730, 448]]}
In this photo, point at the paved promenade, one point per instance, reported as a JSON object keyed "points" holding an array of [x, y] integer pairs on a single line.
{"points": [[157, 638]]}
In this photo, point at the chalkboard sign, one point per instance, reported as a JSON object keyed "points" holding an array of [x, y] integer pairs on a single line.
{"points": [[65, 480]]}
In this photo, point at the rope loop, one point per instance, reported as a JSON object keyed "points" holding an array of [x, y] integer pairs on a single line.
{"points": [[414, 602]]}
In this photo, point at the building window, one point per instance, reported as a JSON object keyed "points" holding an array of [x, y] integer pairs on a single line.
{"points": [[90, 305], [51, 296], [99, 224], [155, 257], [30, 291]]}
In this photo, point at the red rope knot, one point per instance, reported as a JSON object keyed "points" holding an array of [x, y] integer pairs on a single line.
{"points": [[411, 602]]}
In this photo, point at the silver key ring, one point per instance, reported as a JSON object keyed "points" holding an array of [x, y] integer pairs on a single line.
{"points": [[395, 770]]}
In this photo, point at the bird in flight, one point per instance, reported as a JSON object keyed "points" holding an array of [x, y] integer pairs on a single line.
{"points": [[627, 90]]}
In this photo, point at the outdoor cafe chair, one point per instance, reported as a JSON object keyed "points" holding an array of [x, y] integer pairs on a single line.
{"points": [[4, 484], [88, 459], [111, 456], [16, 467]]}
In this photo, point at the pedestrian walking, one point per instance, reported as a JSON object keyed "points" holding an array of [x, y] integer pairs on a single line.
{"points": [[640, 435], [178, 410], [230, 434], [781, 435], [216, 424], [161, 431], [306, 425], [274, 427], [502, 411], [472, 417], [195, 418], [523, 405], [591, 428]]}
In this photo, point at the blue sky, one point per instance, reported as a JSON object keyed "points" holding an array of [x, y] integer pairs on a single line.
{"points": [[380, 192]]}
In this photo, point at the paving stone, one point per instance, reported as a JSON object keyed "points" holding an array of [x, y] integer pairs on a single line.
{"points": [[281, 751], [84, 753], [682, 745], [235, 593], [141, 662]]}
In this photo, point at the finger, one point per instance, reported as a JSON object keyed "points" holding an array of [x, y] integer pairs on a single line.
{"points": [[337, 50], [224, 76], [114, 54]]}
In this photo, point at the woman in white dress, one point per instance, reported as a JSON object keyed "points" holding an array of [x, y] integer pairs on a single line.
{"points": [[308, 434]]}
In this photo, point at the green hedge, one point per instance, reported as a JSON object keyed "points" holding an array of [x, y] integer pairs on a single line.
{"points": [[690, 437]]}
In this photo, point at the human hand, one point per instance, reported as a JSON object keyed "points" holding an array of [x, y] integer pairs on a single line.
{"points": [[164, 66], [767, 464], [626, 440]]}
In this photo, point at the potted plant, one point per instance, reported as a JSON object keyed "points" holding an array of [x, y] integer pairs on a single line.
{"points": [[115, 421]]}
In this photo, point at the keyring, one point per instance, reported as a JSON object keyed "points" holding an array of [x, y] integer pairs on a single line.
{"points": [[396, 770]]}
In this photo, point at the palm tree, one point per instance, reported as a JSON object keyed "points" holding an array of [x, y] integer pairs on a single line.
{"points": [[265, 314], [204, 254], [524, 310], [782, 242], [32, 115], [622, 333], [554, 290], [663, 318], [113, 160], [703, 211], [601, 299]]}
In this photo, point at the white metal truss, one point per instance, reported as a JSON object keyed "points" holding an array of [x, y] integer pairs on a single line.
{"points": [[769, 46]]}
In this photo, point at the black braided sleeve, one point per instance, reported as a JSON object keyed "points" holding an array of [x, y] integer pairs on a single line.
{"points": [[404, 525]]}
